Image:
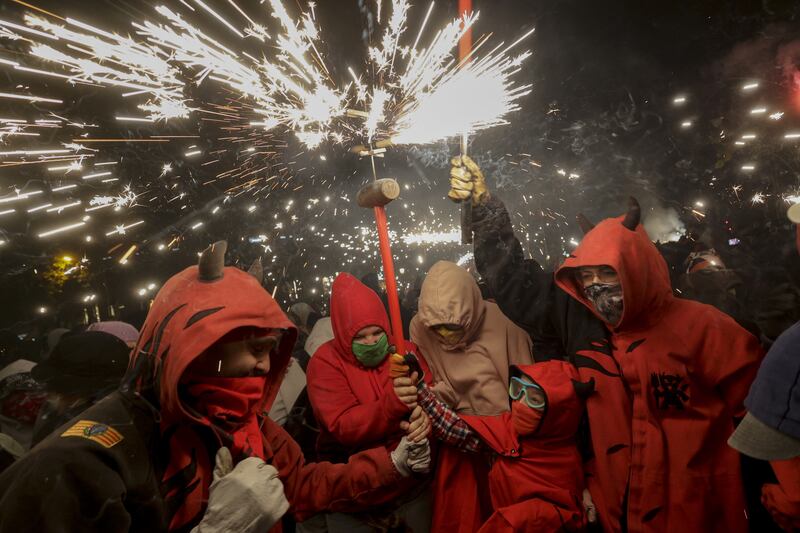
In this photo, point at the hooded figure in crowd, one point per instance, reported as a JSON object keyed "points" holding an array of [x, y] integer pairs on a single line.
{"points": [[688, 367], [159, 454], [353, 399], [536, 481], [536, 478], [21, 399], [121, 330], [707, 280], [469, 345], [670, 373], [771, 429]]}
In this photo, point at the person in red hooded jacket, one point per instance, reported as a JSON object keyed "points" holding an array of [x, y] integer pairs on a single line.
{"points": [[671, 374], [159, 454], [536, 480], [354, 401]]}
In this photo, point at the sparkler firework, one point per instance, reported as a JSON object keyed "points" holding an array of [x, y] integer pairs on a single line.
{"points": [[426, 100]]}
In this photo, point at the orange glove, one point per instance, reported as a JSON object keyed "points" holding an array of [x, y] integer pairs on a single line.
{"points": [[397, 366]]}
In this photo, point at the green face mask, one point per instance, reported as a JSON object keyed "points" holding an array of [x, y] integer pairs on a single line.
{"points": [[371, 355]]}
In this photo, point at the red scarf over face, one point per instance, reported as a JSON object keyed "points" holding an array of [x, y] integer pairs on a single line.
{"points": [[230, 404], [525, 419], [230, 407]]}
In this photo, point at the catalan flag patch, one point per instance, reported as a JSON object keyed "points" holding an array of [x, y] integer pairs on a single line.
{"points": [[100, 433]]}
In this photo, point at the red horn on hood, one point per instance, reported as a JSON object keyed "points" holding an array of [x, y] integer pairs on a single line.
{"points": [[634, 214], [583, 389], [212, 261], [257, 270], [585, 224]]}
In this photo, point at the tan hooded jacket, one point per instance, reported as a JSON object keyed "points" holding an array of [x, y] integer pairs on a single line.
{"points": [[471, 376]]}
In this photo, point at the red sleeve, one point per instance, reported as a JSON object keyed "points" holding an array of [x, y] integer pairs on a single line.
{"points": [[729, 360], [496, 432], [338, 410], [315, 487], [783, 500]]}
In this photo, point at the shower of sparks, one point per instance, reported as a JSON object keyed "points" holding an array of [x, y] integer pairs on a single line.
{"points": [[126, 199], [425, 95], [418, 94], [453, 236], [792, 198], [291, 89], [122, 229]]}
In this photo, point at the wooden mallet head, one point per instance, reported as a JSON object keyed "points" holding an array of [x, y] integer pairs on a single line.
{"points": [[378, 193]]}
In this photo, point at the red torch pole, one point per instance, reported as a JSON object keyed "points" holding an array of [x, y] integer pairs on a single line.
{"points": [[464, 48]]}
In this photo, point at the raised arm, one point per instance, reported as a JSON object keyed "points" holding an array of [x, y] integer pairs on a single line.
{"points": [[523, 290]]}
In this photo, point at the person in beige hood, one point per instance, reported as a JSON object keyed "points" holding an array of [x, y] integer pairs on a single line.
{"points": [[469, 345]]}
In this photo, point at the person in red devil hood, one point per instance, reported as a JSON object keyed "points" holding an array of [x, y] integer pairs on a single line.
{"points": [[158, 454], [352, 396], [688, 367], [670, 373], [536, 481]]}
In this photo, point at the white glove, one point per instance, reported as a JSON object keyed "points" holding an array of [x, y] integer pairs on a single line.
{"points": [[412, 457], [243, 499], [419, 457]]}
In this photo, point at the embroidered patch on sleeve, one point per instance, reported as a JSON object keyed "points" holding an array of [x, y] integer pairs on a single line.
{"points": [[95, 431]]}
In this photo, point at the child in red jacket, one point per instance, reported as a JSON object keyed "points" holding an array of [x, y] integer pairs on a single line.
{"points": [[536, 479]]}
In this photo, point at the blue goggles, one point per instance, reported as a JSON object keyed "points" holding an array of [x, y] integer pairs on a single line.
{"points": [[519, 387]]}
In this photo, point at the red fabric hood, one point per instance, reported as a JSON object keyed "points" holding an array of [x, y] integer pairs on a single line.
{"points": [[354, 306], [188, 316], [536, 480], [642, 271], [563, 408]]}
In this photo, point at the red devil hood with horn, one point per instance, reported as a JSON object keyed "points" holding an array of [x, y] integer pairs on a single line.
{"points": [[192, 311], [142, 458], [642, 271], [687, 367]]}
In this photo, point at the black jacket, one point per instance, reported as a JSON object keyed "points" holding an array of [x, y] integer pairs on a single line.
{"points": [[559, 325], [76, 484]]}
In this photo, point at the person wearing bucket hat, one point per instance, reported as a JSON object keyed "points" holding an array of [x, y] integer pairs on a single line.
{"points": [[771, 429], [82, 368]]}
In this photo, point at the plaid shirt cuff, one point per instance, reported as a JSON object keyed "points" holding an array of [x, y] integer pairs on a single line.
{"points": [[447, 426]]}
